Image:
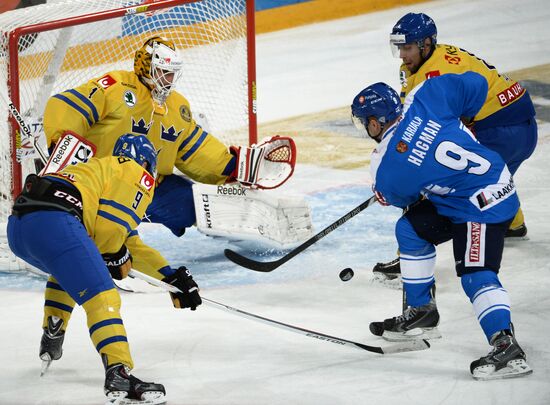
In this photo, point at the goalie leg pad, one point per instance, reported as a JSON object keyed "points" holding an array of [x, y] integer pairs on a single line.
{"points": [[240, 213]]}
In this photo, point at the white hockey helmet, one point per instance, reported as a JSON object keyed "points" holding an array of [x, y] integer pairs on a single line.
{"points": [[158, 66]]}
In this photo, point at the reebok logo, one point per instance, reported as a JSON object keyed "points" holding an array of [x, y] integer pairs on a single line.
{"points": [[231, 191]]}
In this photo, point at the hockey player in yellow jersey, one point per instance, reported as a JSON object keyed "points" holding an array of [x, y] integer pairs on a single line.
{"points": [[91, 211], [506, 122]]}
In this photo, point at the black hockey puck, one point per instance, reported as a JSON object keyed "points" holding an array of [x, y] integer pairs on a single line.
{"points": [[346, 274], [377, 328]]}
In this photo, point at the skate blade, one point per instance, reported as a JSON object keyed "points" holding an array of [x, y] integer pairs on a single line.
{"points": [[148, 398], [393, 282], [46, 363], [514, 368], [413, 334]]}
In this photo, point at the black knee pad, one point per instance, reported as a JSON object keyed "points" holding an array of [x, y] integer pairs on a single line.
{"points": [[428, 224]]}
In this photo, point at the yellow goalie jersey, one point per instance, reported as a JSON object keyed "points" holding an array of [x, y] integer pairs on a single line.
{"points": [[116, 192], [503, 92], [105, 108]]}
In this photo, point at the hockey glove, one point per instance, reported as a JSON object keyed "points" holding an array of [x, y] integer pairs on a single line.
{"points": [[379, 197], [266, 165], [189, 296], [119, 263]]}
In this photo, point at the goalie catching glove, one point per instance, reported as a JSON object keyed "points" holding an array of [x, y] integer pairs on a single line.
{"points": [[265, 165], [189, 296], [119, 263]]}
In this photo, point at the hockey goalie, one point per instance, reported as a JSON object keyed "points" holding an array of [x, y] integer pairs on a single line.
{"points": [[144, 101]]}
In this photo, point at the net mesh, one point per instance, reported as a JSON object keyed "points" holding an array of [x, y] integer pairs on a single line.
{"points": [[280, 154], [210, 36]]}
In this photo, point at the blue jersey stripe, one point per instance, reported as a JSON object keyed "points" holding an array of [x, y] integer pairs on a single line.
{"points": [[106, 322], [121, 207], [54, 286], [230, 166], [115, 219], [86, 101], [76, 107], [188, 139], [108, 341], [199, 142], [58, 305], [133, 233]]}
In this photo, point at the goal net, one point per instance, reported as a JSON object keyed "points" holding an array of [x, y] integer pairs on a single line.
{"points": [[59, 45]]}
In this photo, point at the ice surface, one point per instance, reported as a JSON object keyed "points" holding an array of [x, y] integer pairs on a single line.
{"points": [[210, 357]]}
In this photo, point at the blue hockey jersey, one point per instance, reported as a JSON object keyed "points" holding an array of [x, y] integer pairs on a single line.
{"points": [[430, 153]]}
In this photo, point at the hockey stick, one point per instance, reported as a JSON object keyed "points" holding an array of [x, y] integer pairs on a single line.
{"points": [[394, 348], [266, 267], [24, 127]]}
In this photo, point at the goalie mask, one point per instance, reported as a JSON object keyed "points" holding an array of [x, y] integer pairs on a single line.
{"points": [[138, 148], [158, 66], [379, 102]]}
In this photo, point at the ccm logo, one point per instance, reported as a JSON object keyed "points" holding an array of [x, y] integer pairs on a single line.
{"points": [[106, 81], [147, 181]]}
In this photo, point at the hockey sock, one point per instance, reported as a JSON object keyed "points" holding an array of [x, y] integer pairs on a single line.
{"points": [[57, 303], [491, 302], [518, 220], [106, 328], [417, 259]]}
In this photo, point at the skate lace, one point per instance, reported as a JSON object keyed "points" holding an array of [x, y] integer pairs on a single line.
{"points": [[500, 345], [409, 313]]}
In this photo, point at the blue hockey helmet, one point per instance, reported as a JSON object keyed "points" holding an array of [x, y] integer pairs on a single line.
{"points": [[138, 148], [412, 28], [378, 101]]}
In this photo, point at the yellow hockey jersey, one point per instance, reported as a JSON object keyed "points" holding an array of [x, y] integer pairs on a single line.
{"points": [[116, 192], [116, 103], [503, 91]]}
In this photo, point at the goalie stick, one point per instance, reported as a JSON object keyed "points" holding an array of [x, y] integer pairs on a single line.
{"points": [[24, 127], [409, 346], [266, 267]]}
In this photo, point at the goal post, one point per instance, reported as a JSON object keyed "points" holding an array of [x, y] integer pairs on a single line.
{"points": [[53, 47]]}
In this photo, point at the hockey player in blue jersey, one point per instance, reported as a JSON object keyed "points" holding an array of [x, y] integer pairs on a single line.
{"points": [[453, 188], [506, 121]]}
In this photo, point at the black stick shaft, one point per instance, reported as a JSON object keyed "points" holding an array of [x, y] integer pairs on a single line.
{"points": [[270, 266]]}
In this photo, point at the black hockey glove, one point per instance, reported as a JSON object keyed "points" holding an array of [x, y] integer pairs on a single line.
{"points": [[119, 263], [189, 297]]}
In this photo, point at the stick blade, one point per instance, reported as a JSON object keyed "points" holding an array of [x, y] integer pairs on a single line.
{"points": [[264, 267], [408, 346]]}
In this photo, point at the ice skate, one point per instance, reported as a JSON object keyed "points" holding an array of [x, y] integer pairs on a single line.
{"points": [[51, 344], [122, 388], [506, 360], [518, 233], [388, 274], [414, 323]]}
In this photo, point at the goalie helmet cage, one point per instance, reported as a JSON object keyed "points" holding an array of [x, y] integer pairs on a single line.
{"points": [[49, 48]]}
